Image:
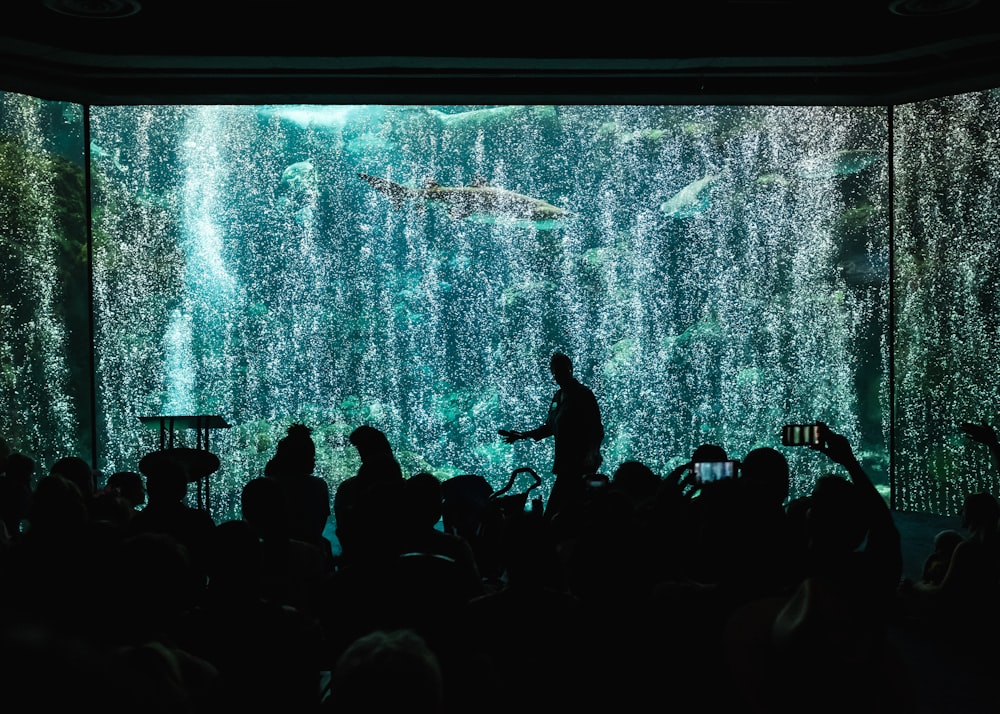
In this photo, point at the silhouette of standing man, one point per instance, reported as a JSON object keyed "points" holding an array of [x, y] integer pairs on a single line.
{"points": [[574, 422]]}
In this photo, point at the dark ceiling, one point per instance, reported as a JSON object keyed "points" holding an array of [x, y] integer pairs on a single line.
{"points": [[703, 51]]}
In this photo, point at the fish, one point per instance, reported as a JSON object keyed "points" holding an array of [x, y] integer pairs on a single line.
{"points": [[864, 268], [690, 200], [477, 199], [839, 163], [299, 178]]}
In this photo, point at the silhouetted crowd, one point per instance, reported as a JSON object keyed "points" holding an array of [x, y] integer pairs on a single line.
{"points": [[641, 590]]}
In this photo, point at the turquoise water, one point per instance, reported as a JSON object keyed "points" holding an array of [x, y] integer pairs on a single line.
{"points": [[705, 280], [714, 272]]}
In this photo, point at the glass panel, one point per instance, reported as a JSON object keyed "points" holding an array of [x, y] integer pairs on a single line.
{"points": [[721, 271], [45, 355], [946, 297]]}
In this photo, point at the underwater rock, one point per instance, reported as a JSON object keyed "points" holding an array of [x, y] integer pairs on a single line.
{"points": [[456, 405], [405, 315], [705, 330], [749, 376], [622, 356], [651, 136], [690, 200], [597, 258], [367, 144], [297, 189], [526, 294], [491, 455], [350, 404], [695, 128], [648, 137], [607, 130]]}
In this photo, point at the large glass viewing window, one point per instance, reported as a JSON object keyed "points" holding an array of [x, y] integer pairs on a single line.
{"points": [[713, 271]]}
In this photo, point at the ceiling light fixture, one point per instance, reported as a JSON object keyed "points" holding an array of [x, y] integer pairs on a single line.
{"points": [[95, 9]]}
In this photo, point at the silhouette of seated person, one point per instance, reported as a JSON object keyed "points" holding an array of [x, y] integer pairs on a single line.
{"points": [[467, 511], [129, 486], [464, 499], [636, 571], [164, 678], [962, 605], [47, 670], [387, 671], [640, 485], [678, 489], [154, 582], [378, 467], [608, 559], [167, 511], [267, 654], [363, 593], [816, 650], [381, 583], [420, 535], [292, 570], [110, 511], [768, 553], [637, 481], [938, 561], [119, 500], [534, 624], [849, 529], [306, 495], [79, 472], [50, 562]]}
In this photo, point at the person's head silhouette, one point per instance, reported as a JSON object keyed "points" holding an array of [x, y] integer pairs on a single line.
{"points": [[561, 367]]}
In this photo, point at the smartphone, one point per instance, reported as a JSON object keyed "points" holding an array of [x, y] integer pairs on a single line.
{"points": [[598, 481], [800, 435], [711, 471]]}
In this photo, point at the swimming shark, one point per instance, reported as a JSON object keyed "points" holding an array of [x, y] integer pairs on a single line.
{"points": [[478, 199]]}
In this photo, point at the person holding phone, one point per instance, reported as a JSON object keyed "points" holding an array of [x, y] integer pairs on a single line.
{"points": [[829, 631], [575, 425]]}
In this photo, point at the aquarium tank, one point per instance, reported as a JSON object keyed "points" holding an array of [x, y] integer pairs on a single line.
{"points": [[714, 272], [46, 358]]}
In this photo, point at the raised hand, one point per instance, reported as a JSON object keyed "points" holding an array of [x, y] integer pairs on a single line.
{"points": [[835, 446], [510, 436]]}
